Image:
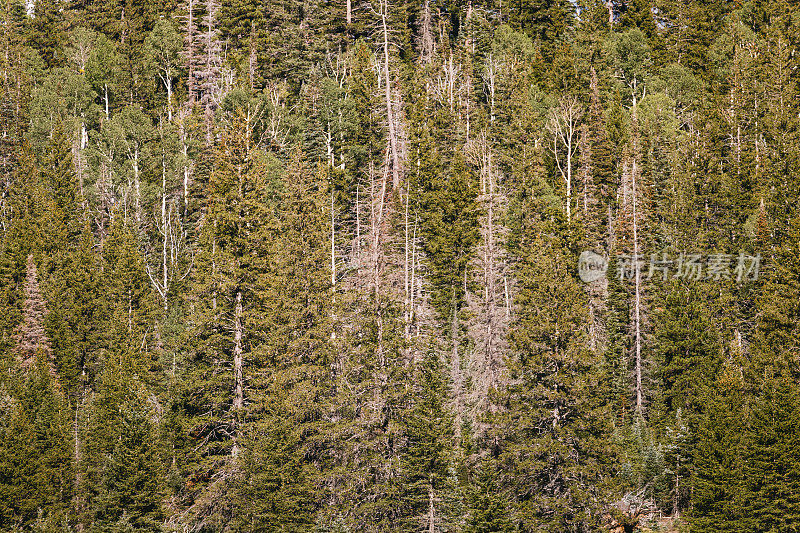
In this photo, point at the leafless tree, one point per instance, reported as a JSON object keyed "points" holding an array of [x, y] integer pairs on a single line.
{"points": [[31, 338], [563, 125]]}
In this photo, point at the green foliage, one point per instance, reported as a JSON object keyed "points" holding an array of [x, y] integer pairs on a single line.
{"points": [[124, 473], [429, 448], [557, 442], [37, 467], [245, 323], [449, 231], [488, 504]]}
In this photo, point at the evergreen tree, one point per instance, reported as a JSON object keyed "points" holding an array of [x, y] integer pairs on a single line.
{"points": [[429, 449], [124, 478], [37, 467], [449, 231], [488, 503], [294, 295], [554, 420]]}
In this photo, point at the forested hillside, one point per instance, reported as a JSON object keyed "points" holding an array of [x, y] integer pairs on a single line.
{"points": [[313, 266]]}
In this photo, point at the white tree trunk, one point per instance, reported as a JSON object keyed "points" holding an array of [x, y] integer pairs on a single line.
{"points": [[388, 91], [238, 375]]}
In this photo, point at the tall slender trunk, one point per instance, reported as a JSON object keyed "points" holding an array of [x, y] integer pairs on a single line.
{"points": [[406, 274], [165, 267], [238, 375], [569, 177], [190, 59], [137, 191], [637, 274], [414, 259], [358, 226], [491, 290], [185, 149], [168, 83], [333, 243], [253, 57], [431, 510], [388, 90], [455, 370], [637, 301], [377, 229]]}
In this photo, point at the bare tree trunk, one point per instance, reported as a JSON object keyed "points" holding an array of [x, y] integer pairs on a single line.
{"points": [[165, 269], [414, 259], [431, 510], [388, 90], [358, 225], [238, 392], [349, 9], [190, 57], [79, 476], [168, 83], [507, 298], [637, 300], [637, 272], [455, 372], [406, 274], [185, 149], [253, 58], [490, 292], [333, 243]]}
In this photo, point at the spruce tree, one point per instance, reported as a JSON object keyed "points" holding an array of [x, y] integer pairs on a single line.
{"points": [[429, 450], [294, 294], [124, 473], [38, 466], [554, 423]]}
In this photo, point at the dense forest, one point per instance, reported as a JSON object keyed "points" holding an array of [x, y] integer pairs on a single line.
{"points": [[382, 265]]}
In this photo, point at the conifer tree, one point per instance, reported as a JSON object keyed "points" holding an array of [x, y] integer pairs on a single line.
{"points": [[490, 511], [235, 240], [294, 295], [554, 419], [124, 475], [449, 232], [38, 469], [429, 449]]}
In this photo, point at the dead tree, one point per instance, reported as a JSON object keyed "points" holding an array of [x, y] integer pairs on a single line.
{"points": [[563, 127], [31, 338], [392, 115]]}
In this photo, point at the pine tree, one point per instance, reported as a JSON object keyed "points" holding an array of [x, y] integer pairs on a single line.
{"points": [[129, 310], [687, 351], [490, 511], [553, 427], [429, 449], [543, 20], [771, 472], [224, 307], [124, 475], [601, 163], [46, 32], [294, 300], [37, 468], [449, 232]]}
